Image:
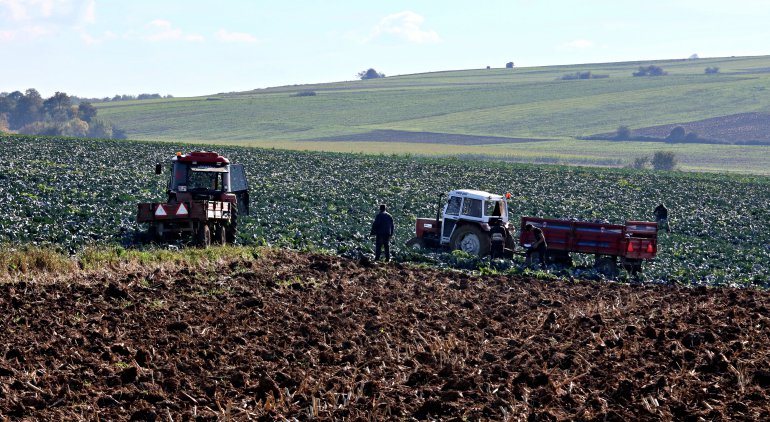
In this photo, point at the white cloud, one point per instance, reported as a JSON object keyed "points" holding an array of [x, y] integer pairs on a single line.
{"points": [[31, 19], [89, 12], [14, 9], [227, 36], [7, 36], [21, 10], [579, 44], [163, 30], [406, 25], [27, 32]]}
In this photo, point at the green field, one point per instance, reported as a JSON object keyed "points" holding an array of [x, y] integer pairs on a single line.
{"points": [[70, 193], [529, 103]]}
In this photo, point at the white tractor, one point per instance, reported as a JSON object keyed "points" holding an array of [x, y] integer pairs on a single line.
{"points": [[464, 223]]}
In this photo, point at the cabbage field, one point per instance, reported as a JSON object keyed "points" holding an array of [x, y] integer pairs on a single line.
{"points": [[70, 193]]}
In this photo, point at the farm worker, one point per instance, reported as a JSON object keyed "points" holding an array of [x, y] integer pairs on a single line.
{"points": [[383, 228], [539, 247], [661, 217], [497, 235]]}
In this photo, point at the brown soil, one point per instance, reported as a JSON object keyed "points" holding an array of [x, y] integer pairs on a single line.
{"points": [[318, 337], [743, 127]]}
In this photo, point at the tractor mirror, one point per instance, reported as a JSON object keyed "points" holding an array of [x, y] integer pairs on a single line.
{"points": [[158, 168]]}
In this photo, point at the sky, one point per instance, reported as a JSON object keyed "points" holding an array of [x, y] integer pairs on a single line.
{"points": [[100, 48]]}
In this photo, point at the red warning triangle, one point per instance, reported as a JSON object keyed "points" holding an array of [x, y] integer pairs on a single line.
{"points": [[182, 210], [160, 211]]}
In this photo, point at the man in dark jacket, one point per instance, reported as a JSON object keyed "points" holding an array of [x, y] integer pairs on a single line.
{"points": [[383, 228], [539, 247], [661, 217]]}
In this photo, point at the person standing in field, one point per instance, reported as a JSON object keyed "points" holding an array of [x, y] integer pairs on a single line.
{"points": [[383, 228], [661, 217], [539, 247]]}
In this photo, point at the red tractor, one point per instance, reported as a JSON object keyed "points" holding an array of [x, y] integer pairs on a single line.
{"points": [[206, 194], [629, 244]]}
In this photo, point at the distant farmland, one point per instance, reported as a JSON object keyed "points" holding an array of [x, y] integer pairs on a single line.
{"points": [[466, 112]]}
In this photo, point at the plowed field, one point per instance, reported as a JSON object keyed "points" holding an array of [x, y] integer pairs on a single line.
{"points": [[319, 337]]}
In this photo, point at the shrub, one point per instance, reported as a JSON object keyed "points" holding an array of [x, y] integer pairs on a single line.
{"points": [[650, 70], [712, 70], [582, 75], [370, 74], [640, 162], [663, 160], [305, 94], [677, 134], [623, 133], [100, 129]]}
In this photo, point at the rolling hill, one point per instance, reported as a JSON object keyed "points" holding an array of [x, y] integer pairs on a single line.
{"points": [[520, 114]]}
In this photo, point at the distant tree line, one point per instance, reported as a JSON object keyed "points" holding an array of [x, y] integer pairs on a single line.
{"points": [[650, 70], [119, 97], [28, 113], [582, 75]]}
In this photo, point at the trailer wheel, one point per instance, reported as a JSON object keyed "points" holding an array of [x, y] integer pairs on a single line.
{"points": [[472, 240], [558, 257], [203, 235], [220, 235], [415, 244], [633, 267], [606, 265]]}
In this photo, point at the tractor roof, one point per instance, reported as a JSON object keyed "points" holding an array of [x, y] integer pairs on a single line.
{"points": [[478, 194], [207, 157]]}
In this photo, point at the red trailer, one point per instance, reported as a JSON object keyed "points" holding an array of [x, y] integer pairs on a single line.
{"points": [[612, 244]]}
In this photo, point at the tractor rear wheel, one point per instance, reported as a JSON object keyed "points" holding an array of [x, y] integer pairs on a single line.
{"points": [[472, 240], [203, 235], [231, 229], [220, 235]]}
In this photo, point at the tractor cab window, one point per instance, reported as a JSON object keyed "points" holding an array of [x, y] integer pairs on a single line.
{"points": [[203, 180], [453, 205], [185, 177], [494, 208], [472, 207]]}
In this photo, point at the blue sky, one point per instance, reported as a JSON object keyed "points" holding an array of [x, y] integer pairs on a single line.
{"points": [[95, 48]]}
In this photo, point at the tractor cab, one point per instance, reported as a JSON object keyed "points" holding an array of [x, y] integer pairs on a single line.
{"points": [[464, 223], [473, 207], [202, 175]]}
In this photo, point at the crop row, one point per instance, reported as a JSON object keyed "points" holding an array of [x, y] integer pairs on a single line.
{"points": [[75, 192]]}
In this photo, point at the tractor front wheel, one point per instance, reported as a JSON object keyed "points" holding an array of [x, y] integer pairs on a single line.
{"points": [[472, 240], [416, 244]]}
